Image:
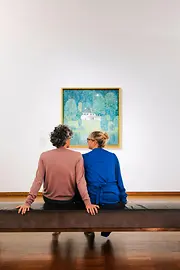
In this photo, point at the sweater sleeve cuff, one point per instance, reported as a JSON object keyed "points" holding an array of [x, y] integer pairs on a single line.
{"points": [[27, 203], [87, 202], [30, 199]]}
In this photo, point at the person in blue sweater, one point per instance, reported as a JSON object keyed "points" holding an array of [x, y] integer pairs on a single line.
{"points": [[103, 175]]}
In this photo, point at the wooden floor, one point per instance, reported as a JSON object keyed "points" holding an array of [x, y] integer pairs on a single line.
{"points": [[132, 250]]}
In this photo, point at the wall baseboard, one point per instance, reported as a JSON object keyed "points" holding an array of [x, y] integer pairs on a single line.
{"points": [[133, 193]]}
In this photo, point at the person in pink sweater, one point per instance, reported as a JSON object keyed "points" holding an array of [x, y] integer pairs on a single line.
{"points": [[61, 171]]}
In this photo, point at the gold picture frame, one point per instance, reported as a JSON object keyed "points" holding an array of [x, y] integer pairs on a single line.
{"points": [[88, 109]]}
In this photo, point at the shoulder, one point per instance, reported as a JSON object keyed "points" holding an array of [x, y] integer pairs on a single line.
{"points": [[73, 154], [46, 153], [110, 155], [86, 155], [65, 151]]}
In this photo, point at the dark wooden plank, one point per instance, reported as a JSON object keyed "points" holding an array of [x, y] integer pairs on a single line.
{"points": [[80, 221]]}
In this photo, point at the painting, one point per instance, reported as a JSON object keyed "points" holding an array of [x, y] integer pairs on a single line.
{"points": [[87, 110]]}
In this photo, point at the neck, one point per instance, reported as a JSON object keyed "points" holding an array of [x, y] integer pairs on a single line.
{"points": [[95, 147], [62, 147]]}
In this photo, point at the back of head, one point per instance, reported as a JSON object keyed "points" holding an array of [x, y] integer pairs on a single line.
{"points": [[100, 137], [60, 135]]}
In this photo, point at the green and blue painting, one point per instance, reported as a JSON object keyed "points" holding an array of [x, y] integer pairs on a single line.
{"points": [[87, 110]]}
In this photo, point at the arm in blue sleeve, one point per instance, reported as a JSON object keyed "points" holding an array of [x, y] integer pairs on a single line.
{"points": [[120, 181]]}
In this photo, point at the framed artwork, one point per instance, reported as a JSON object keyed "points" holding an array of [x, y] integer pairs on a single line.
{"points": [[86, 110]]}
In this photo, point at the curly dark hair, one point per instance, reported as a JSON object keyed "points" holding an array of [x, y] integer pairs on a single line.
{"points": [[60, 135]]}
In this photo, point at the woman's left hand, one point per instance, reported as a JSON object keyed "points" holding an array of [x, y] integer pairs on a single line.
{"points": [[92, 209], [23, 208]]}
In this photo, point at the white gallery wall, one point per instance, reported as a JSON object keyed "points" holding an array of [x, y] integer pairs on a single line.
{"points": [[49, 44]]}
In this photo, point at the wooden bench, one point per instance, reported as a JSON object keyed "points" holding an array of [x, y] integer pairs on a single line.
{"points": [[146, 216]]}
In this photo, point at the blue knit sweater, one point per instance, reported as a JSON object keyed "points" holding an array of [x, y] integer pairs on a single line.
{"points": [[103, 176]]}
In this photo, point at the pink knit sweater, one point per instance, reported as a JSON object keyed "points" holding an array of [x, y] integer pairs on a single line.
{"points": [[59, 170]]}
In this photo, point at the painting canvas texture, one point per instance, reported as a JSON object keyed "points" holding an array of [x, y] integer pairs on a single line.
{"points": [[87, 110]]}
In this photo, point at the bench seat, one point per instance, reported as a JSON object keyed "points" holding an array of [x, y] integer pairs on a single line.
{"points": [[142, 216]]}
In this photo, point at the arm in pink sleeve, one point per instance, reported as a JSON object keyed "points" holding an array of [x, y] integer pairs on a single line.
{"points": [[37, 183], [81, 182]]}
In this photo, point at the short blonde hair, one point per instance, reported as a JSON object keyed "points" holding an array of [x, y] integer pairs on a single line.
{"points": [[100, 137]]}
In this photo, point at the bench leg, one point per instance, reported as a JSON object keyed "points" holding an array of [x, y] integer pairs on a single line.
{"points": [[55, 236], [90, 239], [92, 234]]}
